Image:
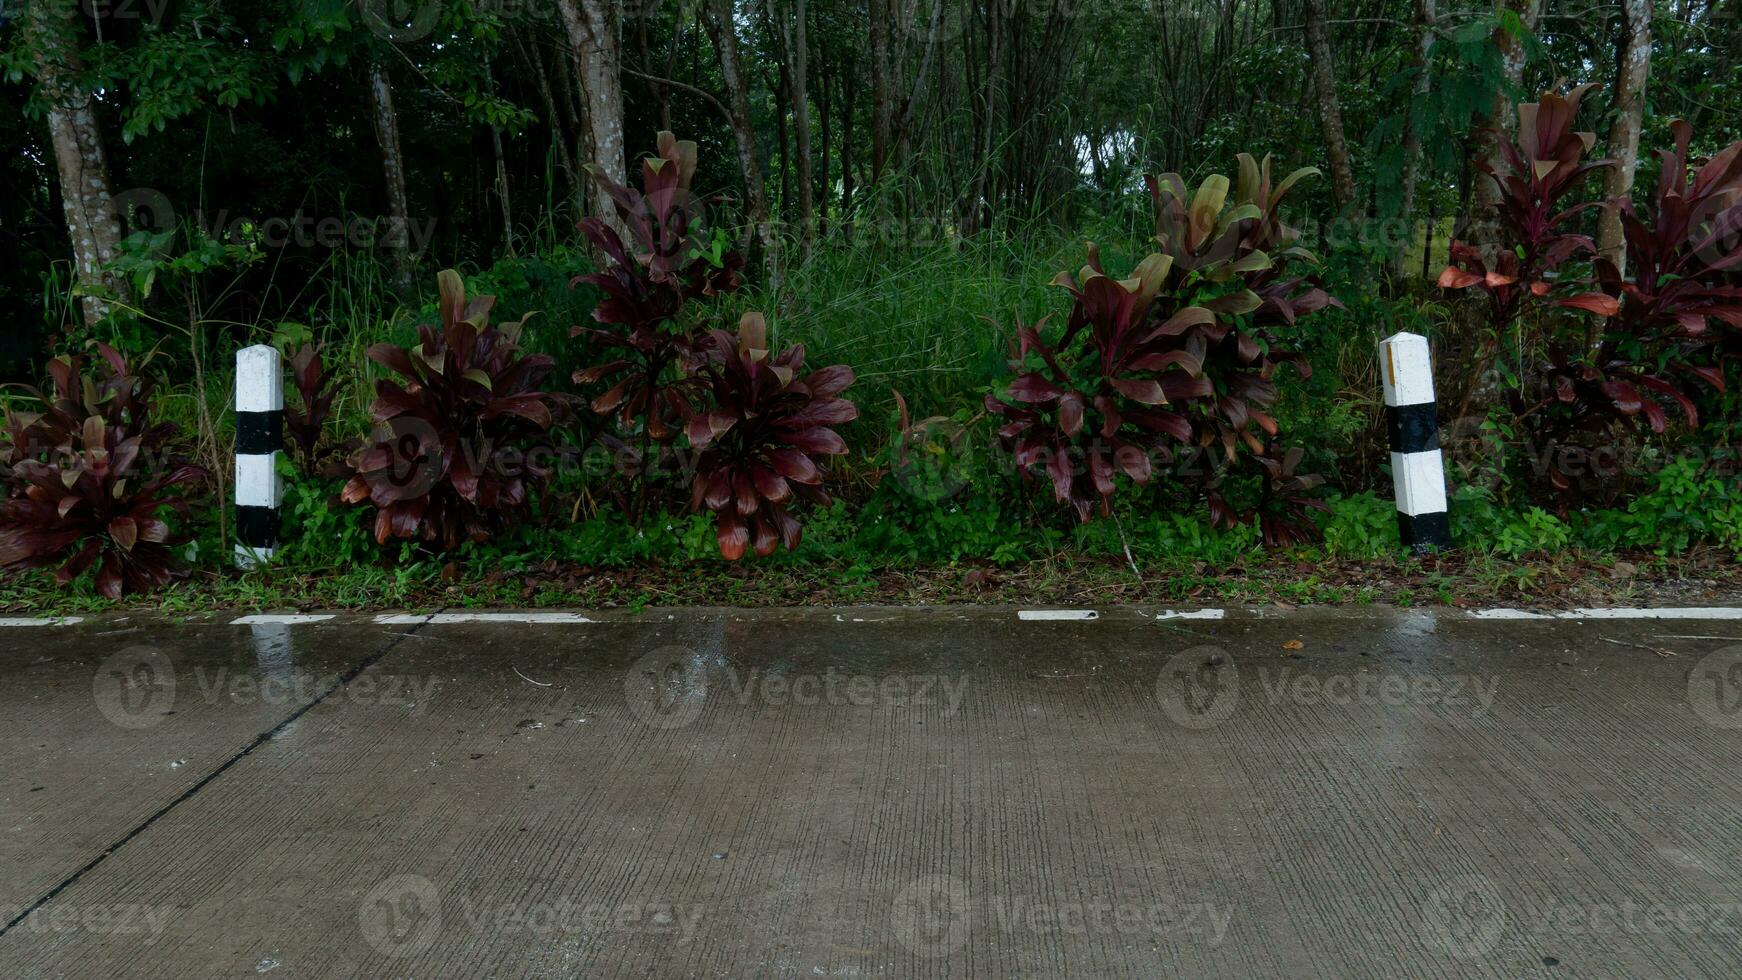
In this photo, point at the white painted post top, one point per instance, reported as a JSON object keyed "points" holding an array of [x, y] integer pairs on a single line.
{"points": [[1406, 370], [259, 379]]}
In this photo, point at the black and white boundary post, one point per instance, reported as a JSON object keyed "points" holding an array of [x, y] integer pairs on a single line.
{"points": [[1417, 468], [259, 438]]}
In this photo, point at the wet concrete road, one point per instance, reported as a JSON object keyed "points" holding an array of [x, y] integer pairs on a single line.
{"points": [[1370, 793]]}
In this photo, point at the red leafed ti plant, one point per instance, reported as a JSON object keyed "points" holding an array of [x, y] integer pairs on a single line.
{"points": [[1582, 355], [760, 435], [647, 281], [1683, 255], [87, 481], [453, 457], [1175, 364], [314, 385]]}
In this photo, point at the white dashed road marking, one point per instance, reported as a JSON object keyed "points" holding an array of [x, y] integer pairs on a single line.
{"points": [[1077, 615], [47, 621], [284, 619]]}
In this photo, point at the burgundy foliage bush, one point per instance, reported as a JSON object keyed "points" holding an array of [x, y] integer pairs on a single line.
{"points": [[1175, 363], [647, 281], [87, 480], [1651, 341], [453, 457], [760, 437]]}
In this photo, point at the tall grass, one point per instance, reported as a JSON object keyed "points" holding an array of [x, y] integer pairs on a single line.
{"points": [[933, 321]]}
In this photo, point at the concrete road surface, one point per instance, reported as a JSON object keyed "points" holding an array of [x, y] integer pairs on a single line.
{"points": [[871, 792]]}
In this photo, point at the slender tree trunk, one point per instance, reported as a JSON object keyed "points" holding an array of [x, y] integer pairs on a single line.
{"points": [[1633, 67], [501, 181], [393, 174], [594, 29], [849, 93], [789, 17], [976, 205], [782, 98], [93, 220], [1502, 119], [722, 29], [910, 106], [1330, 111], [882, 89], [553, 119], [1412, 153], [659, 92], [826, 144]]}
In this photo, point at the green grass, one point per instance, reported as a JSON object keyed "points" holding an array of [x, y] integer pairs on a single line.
{"points": [[933, 322]]}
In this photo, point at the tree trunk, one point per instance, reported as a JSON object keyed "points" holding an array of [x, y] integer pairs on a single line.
{"points": [[915, 98], [722, 29], [849, 93], [93, 220], [1633, 66], [783, 96], [553, 119], [594, 32], [1424, 23], [789, 16], [882, 89], [976, 205], [393, 174], [826, 143], [1329, 109], [660, 95], [1502, 120]]}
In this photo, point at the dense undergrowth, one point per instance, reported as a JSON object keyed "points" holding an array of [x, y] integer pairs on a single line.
{"points": [[692, 425]]}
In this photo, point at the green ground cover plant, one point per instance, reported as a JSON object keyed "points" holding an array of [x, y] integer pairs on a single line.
{"points": [[1123, 421]]}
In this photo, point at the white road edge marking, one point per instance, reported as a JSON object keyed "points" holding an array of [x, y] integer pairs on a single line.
{"points": [[1077, 615], [450, 619], [1193, 614], [1667, 612], [48, 621], [281, 619]]}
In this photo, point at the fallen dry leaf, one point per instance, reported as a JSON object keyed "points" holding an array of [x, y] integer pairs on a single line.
{"points": [[1294, 645]]}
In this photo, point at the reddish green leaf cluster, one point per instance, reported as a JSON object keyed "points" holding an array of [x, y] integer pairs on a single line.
{"points": [[1540, 169], [758, 437], [1654, 341], [647, 282], [306, 421], [1178, 360], [453, 454], [87, 480]]}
